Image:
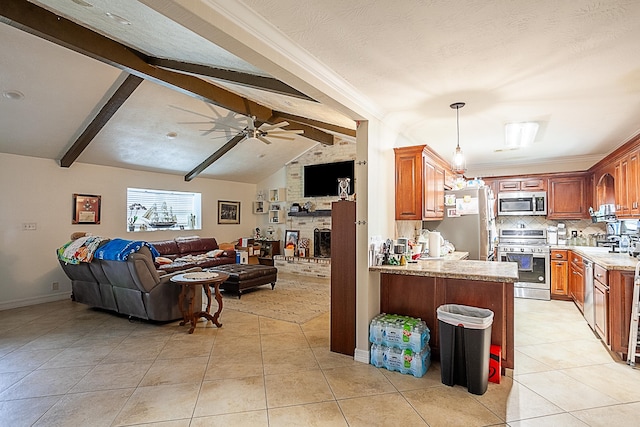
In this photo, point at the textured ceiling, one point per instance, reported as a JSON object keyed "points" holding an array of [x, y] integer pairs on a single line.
{"points": [[571, 66]]}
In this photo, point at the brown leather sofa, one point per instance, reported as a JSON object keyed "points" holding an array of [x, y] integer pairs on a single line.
{"points": [[133, 287], [188, 252]]}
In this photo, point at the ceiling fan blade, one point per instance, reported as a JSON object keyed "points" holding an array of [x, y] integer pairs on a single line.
{"points": [[263, 139], [268, 127], [276, 132], [288, 138]]}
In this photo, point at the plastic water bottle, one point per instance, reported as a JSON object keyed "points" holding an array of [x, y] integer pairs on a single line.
{"points": [[624, 244]]}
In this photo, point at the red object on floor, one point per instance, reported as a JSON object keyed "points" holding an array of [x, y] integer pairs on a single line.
{"points": [[495, 364]]}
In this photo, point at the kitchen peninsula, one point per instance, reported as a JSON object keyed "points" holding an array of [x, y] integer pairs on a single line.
{"points": [[418, 289]]}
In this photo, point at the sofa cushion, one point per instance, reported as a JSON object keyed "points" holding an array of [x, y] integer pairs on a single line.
{"points": [[197, 245], [166, 247]]}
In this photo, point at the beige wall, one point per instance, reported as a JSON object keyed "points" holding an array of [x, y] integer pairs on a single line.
{"points": [[39, 191]]}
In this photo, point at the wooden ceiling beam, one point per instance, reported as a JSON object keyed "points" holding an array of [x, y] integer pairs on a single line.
{"points": [[35, 20], [215, 156], [113, 104], [255, 81], [316, 123]]}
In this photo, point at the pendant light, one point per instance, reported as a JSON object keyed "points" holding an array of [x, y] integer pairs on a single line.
{"points": [[458, 164]]}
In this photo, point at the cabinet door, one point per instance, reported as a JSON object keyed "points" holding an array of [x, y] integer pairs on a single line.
{"points": [[430, 208], [509, 185], [621, 168], [633, 184], [601, 308], [409, 177], [620, 300], [567, 198], [533, 184], [439, 193], [559, 278]]}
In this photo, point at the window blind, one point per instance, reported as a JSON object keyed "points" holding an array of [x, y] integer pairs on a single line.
{"points": [[165, 206]]}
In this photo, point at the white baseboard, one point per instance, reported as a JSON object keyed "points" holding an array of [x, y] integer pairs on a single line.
{"points": [[361, 356], [25, 302]]}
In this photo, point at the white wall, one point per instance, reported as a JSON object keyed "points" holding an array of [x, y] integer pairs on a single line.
{"points": [[39, 191]]}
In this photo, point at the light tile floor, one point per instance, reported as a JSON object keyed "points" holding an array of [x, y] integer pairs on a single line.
{"points": [[64, 364]]}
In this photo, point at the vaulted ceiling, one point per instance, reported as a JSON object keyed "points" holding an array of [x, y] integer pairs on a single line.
{"points": [[166, 86]]}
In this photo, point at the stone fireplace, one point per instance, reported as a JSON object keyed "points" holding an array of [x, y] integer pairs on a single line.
{"points": [[322, 242]]}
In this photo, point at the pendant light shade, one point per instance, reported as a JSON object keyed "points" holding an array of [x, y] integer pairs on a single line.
{"points": [[458, 163]]}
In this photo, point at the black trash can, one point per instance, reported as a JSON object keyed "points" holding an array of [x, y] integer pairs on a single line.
{"points": [[465, 342]]}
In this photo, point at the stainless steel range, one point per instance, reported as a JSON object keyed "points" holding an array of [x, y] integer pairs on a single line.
{"points": [[529, 249]]}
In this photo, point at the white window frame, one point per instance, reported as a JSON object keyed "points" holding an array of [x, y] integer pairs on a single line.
{"points": [[183, 208]]}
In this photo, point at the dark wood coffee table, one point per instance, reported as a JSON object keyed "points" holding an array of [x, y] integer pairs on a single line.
{"points": [[189, 283]]}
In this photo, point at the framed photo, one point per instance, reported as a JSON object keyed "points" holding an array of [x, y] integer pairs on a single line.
{"points": [[291, 237], [228, 212], [86, 209]]}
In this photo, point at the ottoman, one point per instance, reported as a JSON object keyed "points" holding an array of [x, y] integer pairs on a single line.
{"points": [[246, 276]]}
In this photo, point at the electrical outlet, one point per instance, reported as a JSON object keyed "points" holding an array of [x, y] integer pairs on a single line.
{"points": [[55, 286], [29, 226]]}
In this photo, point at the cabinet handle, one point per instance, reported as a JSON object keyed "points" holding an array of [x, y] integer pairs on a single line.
{"points": [[558, 255]]}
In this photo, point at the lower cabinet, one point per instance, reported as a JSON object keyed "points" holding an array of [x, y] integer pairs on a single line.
{"points": [[559, 274], [601, 302], [620, 300], [576, 280]]}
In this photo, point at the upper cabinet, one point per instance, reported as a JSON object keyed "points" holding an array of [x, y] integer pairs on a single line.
{"points": [[618, 182], [522, 184], [568, 197], [420, 183]]}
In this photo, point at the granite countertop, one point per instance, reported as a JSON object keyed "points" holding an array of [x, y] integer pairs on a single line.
{"points": [[455, 267], [604, 258]]}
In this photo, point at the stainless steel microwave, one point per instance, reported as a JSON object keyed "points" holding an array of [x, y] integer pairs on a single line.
{"points": [[522, 203]]}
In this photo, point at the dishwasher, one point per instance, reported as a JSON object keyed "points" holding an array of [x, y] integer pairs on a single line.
{"points": [[588, 308]]}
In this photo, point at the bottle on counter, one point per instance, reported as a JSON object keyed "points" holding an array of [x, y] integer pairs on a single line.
{"points": [[581, 240], [624, 243]]}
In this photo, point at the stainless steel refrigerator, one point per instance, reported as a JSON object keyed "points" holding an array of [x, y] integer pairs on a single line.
{"points": [[469, 222]]}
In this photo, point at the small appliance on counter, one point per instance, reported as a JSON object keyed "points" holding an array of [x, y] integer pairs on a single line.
{"points": [[552, 235], [562, 234]]}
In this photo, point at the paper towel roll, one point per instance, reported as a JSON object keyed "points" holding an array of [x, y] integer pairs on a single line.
{"points": [[435, 242]]}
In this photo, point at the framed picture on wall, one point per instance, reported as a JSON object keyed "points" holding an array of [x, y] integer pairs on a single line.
{"points": [[291, 237], [228, 212], [86, 209]]}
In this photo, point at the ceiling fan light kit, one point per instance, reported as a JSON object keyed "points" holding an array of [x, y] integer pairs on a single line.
{"points": [[458, 163], [520, 134]]}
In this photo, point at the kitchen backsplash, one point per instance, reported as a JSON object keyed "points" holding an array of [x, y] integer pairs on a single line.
{"points": [[410, 228], [585, 225]]}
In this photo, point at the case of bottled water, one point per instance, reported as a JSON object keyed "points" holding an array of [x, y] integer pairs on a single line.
{"points": [[394, 330], [400, 343], [405, 361]]}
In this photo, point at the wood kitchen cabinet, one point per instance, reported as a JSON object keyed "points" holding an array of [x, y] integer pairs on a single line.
{"points": [[559, 274], [633, 184], [620, 299], [601, 302], [568, 197], [522, 184], [576, 280], [420, 180]]}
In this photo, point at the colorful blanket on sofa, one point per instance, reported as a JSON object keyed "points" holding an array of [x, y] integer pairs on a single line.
{"points": [[80, 250], [120, 249]]}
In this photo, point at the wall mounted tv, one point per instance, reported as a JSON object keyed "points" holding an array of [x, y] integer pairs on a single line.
{"points": [[322, 180]]}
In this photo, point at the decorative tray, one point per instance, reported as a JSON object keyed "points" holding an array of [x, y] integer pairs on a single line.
{"points": [[200, 275]]}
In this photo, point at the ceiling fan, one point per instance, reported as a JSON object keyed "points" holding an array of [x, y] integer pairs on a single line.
{"points": [[254, 129]]}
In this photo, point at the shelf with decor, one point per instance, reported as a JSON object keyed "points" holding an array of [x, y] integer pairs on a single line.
{"points": [[277, 195], [260, 207], [276, 213]]}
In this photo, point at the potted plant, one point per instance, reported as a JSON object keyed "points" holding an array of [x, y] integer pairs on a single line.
{"points": [[133, 214]]}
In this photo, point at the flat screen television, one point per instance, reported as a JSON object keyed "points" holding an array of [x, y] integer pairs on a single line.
{"points": [[322, 180]]}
